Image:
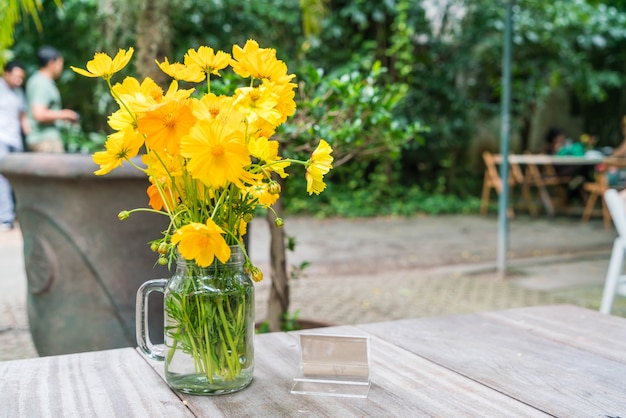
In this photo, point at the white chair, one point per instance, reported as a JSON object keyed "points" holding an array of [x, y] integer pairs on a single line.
{"points": [[614, 276]]}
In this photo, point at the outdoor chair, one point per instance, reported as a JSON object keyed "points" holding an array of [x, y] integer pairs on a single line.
{"points": [[614, 276], [492, 181], [596, 189], [542, 180]]}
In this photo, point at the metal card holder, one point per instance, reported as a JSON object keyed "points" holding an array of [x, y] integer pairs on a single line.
{"points": [[333, 365]]}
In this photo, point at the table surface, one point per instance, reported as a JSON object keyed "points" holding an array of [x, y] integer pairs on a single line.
{"points": [[542, 159], [546, 159], [557, 360]]}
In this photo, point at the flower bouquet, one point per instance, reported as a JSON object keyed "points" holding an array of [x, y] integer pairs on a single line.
{"points": [[210, 164]]}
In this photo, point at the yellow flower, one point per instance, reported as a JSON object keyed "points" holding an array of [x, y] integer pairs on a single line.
{"points": [[166, 124], [135, 97], [319, 164], [179, 71], [260, 192], [286, 104], [257, 103], [162, 165], [156, 200], [259, 63], [210, 160], [217, 153], [174, 93], [208, 61], [211, 106], [267, 151], [103, 66], [202, 243], [119, 146]]}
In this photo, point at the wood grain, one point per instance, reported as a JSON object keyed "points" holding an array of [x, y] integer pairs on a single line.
{"points": [[112, 383], [527, 362], [553, 375], [589, 330], [403, 384]]}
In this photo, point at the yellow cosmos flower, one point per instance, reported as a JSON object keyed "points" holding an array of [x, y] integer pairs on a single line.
{"points": [[257, 103], [162, 165], [179, 71], [136, 97], [202, 243], [174, 93], [217, 153], [211, 106], [319, 164], [286, 105], [260, 63], [166, 124], [120, 120], [260, 192], [156, 199], [263, 148], [207, 60], [103, 66], [119, 146], [267, 151], [209, 159]]}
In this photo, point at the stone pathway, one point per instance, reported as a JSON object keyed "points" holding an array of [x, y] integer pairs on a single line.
{"points": [[370, 270]]}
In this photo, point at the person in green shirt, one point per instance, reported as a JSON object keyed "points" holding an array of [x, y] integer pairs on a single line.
{"points": [[45, 112]]}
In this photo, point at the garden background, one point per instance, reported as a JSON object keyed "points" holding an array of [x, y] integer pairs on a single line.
{"points": [[406, 91]]}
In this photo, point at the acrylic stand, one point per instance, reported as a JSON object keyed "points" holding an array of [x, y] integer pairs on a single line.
{"points": [[333, 365]]}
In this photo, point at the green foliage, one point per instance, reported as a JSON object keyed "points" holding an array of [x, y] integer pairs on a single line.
{"points": [[11, 13], [356, 111], [222, 23], [79, 142], [398, 200]]}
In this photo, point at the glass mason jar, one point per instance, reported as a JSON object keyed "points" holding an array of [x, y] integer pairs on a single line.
{"points": [[209, 326]]}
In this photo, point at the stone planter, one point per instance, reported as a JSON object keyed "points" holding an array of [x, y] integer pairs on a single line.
{"points": [[84, 266]]}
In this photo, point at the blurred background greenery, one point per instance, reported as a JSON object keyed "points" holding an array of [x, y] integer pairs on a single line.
{"points": [[406, 91]]}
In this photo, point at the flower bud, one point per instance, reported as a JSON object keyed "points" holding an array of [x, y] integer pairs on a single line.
{"points": [[256, 274], [123, 215], [273, 187], [154, 247], [163, 247], [279, 222], [247, 218], [163, 260]]}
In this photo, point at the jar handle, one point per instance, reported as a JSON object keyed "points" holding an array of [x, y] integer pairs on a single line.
{"points": [[141, 318]]}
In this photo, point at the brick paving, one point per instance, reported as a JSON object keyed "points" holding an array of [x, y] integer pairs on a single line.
{"points": [[369, 270]]}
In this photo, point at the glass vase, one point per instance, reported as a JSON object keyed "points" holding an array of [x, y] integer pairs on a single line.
{"points": [[209, 326]]}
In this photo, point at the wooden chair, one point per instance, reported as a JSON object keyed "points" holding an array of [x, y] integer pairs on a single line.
{"points": [[541, 180], [597, 189], [614, 276], [492, 181]]}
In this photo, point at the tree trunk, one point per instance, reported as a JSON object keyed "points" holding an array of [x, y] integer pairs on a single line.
{"points": [[278, 303], [153, 39]]}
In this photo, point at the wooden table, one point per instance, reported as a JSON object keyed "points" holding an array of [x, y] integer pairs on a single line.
{"points": [[529, 362], [533, 176]]}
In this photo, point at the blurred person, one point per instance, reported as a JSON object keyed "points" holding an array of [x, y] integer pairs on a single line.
{"points": [[45, 112], [555, 140], [13, 124], [574, 175]]}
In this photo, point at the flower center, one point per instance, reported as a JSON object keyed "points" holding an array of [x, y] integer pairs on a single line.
{"points": [[169, 121], [255, 95], [217, 151]]}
